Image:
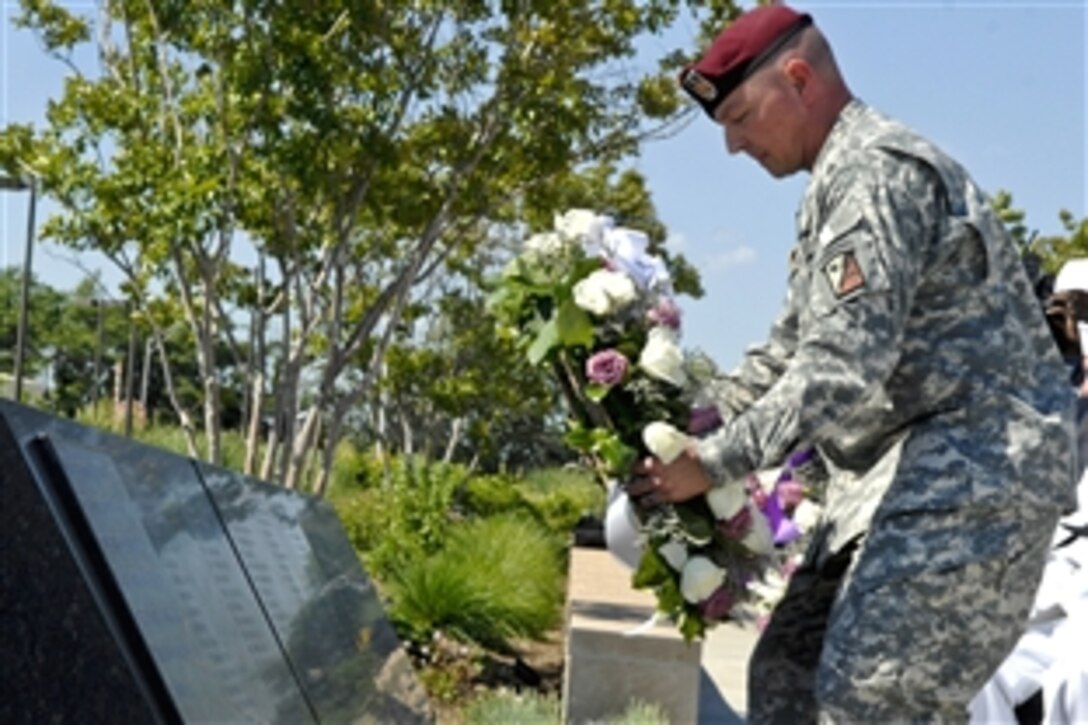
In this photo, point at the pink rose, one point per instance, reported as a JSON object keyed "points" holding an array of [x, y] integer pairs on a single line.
{"points": [[665, 313], [755, 490], [717, 605], [790, 493], [607, 367]]}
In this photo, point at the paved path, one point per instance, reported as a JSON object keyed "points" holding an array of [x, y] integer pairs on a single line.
{"points": [[722, 699]]}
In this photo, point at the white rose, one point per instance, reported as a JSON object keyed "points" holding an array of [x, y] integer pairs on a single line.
{"points": [[665, 441], [584, 225], [727, 501], [620, 288], [675, 553], [546, 244], [604, 291], [591, 296], [806, 515], [700, 578], [759, 538], [662, 358]]}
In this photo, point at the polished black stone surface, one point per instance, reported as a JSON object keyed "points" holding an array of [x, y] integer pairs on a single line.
{"points": [[238, 601]]}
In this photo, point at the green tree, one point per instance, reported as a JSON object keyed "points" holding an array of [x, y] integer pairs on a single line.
{"points": [[356, 147], [44, 307], [1052, 250]]}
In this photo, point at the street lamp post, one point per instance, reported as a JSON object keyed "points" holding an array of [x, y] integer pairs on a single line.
{"points": [[7, 182]]}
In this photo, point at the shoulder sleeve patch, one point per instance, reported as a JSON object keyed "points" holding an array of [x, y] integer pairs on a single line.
{"points": [[844, 274]]}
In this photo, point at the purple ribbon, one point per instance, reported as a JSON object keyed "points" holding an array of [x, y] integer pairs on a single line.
{"points": [[785, 530], [783, 527]]}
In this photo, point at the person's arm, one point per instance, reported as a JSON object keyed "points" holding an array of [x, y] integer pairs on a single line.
{"points": [[861, 282]]}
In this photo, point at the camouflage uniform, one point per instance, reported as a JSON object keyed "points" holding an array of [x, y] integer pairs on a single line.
{"points": [[913, 353]]}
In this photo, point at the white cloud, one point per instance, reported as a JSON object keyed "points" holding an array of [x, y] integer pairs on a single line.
{"points": [[676, 242], [735, 257]]}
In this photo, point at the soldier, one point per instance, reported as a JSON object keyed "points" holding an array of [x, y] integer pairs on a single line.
{"points": [[912, 352]]}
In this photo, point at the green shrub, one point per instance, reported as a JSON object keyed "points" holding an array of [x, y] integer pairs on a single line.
{"points": [[637, 713], [504, 707], [404, 518], [496, 580], [489, 495], [561, 496], [353, 468]]}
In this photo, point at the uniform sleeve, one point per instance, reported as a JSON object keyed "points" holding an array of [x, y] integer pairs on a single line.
{"points": [[859, 284]]}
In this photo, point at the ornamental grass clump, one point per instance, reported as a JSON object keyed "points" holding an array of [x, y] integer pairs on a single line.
{"points": [[495, 581]]}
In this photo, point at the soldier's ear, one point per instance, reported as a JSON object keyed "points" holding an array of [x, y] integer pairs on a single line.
{"points": [[798, 74]]}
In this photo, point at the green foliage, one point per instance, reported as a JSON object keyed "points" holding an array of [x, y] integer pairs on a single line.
{"points": [[359, 146], [459, 381], [491, 495], [1052, 250], [637, 713], [496, 580], [167, 437], [503, 707], [404, 518], [561, 496]]}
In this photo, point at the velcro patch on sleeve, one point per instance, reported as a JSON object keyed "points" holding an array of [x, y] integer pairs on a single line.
{"points": [[844, 274]]}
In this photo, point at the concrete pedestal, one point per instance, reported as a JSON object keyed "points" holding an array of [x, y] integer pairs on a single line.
{"points": [[607, 667]]}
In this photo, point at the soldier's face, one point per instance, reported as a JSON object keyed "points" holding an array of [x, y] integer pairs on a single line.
{"points": [[763, 119]]}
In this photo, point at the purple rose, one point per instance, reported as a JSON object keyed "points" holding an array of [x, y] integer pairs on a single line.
{"points": [[718, 605], [665, 313], [703, 420], [607, 367]]}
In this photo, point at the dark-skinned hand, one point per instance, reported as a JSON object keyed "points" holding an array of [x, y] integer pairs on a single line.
{"points": [[656, 482]]}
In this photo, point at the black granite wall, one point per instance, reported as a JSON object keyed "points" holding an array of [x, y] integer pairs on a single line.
{"points": [[144, 586]]}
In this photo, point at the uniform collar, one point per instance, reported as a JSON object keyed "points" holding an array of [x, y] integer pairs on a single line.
{"points": [[848, 116]]}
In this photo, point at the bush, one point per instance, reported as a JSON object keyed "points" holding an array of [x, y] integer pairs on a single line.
{"points": [[504, 707], [495, 580], [561, 496], [489, 495], [402, 519], [637, 713]]}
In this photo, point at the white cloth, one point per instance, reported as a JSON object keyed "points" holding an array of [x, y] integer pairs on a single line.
{"points": [[1051, 655], [1074, 276], [621, 533]]}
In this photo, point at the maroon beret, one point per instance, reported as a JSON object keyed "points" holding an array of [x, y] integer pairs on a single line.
{"points": [[738, 51]]}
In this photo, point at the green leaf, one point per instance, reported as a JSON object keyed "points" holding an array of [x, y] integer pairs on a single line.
{"points": [[692, 626], [697, 525], [597, 391], [546, 341], [652, 571], [578, 437], [617, 455], [575, 327]]}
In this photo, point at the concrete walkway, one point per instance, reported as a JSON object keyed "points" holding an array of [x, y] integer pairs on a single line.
{"points": [[722, 697]]}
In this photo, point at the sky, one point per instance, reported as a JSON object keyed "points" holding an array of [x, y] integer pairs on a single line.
{"points": [[1001, 86]]}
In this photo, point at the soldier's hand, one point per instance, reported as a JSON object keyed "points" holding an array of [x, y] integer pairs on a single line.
{"points": [[656, 483]]}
